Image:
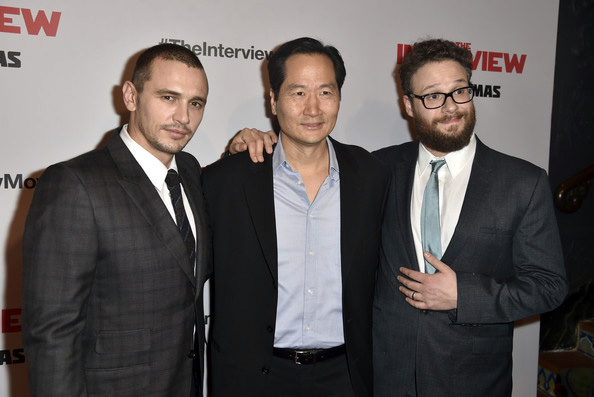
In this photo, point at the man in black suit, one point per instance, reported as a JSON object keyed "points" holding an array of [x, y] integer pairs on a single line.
{"points": [[292, 298], [112, 290], [452, 333]]}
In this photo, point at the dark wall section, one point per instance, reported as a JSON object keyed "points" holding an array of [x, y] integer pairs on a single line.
{"points": [[572, 150]]}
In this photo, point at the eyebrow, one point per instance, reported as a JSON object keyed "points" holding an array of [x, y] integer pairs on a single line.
{"points": [[432, 86], [166, 91], [325, 85]]}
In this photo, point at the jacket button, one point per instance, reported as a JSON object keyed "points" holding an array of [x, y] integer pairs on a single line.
{"points": [[269, 329], [191, 354], [265, 370]]}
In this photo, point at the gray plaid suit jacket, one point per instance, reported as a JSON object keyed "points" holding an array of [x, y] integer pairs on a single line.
{"points": [[110, 299]]}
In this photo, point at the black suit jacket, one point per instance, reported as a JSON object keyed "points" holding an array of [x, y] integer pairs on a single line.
{"points": [[507, 257], [240, 204], [110, 300]]}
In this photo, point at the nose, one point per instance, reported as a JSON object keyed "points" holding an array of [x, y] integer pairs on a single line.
{"points": [[312, 106], [449, 106], [182, 114]]}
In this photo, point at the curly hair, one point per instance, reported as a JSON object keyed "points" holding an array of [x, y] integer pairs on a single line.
{"points": [[432, 50]]}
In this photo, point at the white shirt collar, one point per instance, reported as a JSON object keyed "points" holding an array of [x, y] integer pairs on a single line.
{"points": [[455, 161], [152, 166]]}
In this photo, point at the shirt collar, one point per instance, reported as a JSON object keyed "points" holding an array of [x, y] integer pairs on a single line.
{"points": [[152, 166], [279, 158], [455, 161]]}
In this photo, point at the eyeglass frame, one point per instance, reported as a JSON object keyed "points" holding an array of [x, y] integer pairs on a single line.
{"points": [[447, 95]]}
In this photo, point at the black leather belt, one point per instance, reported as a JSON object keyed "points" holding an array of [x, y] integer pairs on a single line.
{"points": [[310, 356]]}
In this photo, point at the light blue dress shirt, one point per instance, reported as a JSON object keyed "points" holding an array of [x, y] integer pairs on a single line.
{"points": [[309, 309]]}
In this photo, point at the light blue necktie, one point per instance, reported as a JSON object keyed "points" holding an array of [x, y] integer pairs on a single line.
{"points": [[430, 229]]}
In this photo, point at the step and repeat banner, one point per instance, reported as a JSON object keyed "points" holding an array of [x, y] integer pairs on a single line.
{"points": [[62, 65]]}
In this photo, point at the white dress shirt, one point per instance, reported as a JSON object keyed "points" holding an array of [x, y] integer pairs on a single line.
{"points": [[453, 181], [156, 172]]}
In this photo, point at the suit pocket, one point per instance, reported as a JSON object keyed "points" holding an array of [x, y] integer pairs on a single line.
{"points": [[118, 342], [121, 382]]}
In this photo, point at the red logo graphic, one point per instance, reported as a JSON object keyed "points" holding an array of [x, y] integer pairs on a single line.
{"points": [[487, 61], [11, 320], [9, 21]]}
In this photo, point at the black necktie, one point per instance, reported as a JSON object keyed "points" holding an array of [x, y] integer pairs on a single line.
{"points": [[183, 223]]}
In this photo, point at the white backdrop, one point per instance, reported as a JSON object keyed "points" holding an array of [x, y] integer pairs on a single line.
{"points": [[62, 64]]}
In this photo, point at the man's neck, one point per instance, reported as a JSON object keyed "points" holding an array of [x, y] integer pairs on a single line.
{"points": [[307, 158], [311, 161]]}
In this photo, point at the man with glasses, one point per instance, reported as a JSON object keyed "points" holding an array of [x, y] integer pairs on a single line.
{"points": [[469, 238]]}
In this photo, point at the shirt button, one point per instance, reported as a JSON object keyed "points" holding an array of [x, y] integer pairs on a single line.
{"points": [[310, 291], [311, 253], [307, 328], [299, 182]]}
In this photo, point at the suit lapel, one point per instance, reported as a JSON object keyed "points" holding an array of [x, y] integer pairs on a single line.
{"points": [[476, 194], [259, 194], [142, 193], [404, 173], [351, 193]]}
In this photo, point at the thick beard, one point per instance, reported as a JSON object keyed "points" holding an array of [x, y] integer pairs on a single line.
{"points": [[432, 138]]}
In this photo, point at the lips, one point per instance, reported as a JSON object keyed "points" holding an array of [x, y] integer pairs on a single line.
{"points": [[177, 131], [312, 125], [451, 119]]}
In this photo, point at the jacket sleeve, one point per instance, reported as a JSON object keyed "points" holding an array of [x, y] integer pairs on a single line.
{"points": [[538, 283], [59, 259]]}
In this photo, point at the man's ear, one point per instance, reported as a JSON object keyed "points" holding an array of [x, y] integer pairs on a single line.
{"points": [[130, 95], [272, 102], [408, 105]]}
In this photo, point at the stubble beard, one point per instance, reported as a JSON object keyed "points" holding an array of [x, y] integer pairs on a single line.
{"points": [[153, 139], [432, 138]]}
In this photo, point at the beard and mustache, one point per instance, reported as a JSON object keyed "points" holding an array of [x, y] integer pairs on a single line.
{"points": [[430, 135]]}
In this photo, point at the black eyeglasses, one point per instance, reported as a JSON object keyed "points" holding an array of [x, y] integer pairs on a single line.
{"points": [[436, 100]]}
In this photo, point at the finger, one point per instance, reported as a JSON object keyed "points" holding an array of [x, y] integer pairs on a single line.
{"points": [[253, 150], [268, 143], [404, 281], [415, 303], [436, 263], [412, 274], [237, 147], [272, 135], [411, 281], [405, 291], [409, 284], [259, 150]]}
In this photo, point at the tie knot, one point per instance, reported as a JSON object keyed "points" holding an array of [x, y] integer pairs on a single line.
{"points": [[435, 165], [172, 179]]}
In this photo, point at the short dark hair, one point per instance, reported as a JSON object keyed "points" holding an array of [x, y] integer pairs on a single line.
{"points": [[432, 50], [303, 45], [170, 52]]}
